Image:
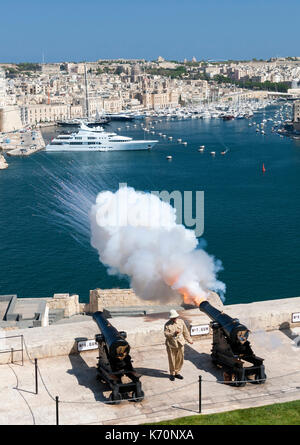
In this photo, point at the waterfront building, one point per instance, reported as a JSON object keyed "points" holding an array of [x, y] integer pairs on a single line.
{"points": [[33, 114], [159, 99], [296, 115]]}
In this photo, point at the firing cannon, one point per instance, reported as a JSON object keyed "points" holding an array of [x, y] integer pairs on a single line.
{"points": [[231, 348], [114, 362]]}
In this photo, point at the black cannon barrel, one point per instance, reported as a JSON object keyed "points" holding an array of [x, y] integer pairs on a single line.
{"points": [[236, 331], [115, 342]]}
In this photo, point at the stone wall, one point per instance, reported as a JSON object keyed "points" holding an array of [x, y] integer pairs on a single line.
{"points": [[70, 304], [10, 118], [103, 298]]}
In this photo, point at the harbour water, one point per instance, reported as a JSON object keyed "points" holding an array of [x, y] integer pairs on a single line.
{"points": [[251, 218]]}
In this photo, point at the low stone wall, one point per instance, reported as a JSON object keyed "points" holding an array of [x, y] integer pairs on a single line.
{"points": [[102, 298], [70, 304]]}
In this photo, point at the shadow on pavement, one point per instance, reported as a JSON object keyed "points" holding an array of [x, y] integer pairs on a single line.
{"points": [[202, 361], [87, 376], [150, 372]]}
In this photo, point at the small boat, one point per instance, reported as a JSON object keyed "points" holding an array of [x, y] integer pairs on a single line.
{"points": [[213, 153], [169, 158], [184, 143]]}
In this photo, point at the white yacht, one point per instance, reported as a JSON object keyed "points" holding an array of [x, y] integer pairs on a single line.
{"points": [[96, 139]]}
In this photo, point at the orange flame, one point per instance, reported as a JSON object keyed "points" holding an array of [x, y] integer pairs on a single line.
{"points": [[187, 297], [190, 299]]}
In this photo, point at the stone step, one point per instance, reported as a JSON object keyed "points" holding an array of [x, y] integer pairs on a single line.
{"points": [[128, 311]]}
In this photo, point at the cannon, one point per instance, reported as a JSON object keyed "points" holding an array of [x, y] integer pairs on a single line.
{"points": [[231, 349], [114, 362]]}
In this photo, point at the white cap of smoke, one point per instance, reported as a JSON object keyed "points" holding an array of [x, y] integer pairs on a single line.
{"points": [[136, 234]]}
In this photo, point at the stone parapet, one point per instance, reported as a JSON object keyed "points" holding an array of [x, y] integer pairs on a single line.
{"points": [[102, 298], [70, 304]]}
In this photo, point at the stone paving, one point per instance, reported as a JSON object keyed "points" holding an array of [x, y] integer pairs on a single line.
{"points": [[82, 397], [22, 143]]}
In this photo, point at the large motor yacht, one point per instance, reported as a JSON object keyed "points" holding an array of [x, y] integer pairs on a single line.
{"points": [[96, 139]]}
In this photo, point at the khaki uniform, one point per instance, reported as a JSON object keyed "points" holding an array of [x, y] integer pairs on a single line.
{"points": [[175, 343]]}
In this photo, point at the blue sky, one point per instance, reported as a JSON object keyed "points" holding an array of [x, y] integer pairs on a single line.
{"points": [[76, 30]]}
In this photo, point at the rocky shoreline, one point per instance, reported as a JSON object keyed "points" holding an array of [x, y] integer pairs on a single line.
{"points": [[3, 163]]}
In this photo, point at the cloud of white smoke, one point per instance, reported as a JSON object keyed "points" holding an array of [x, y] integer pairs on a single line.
{"points": [[136, 234]]}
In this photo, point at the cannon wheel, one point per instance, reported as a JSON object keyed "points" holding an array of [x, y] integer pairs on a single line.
{"points": [[138, 395], [237, 382], [262, 378], [115, 398]]}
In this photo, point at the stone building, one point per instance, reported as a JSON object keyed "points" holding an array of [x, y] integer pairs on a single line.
{"points": [[36, 113], [50, 68], [159, 99], [296, 115]]}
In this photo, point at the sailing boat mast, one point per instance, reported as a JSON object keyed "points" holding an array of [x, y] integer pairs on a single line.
{"points": [[86, 93]]}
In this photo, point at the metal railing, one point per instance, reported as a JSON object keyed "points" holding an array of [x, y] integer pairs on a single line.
{"points": [[13, 350]]}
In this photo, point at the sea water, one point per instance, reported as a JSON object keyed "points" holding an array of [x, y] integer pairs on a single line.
{"points": [[251, 218]]}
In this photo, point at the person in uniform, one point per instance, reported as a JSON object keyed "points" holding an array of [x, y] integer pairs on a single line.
{"points": [[176, 334]]}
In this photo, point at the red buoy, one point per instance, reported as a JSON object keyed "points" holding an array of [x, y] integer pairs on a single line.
{"points": [[263, 168]]}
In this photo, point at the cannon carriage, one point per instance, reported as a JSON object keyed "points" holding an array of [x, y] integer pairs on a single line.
{"points": [[231, 350], [114, 362]]}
